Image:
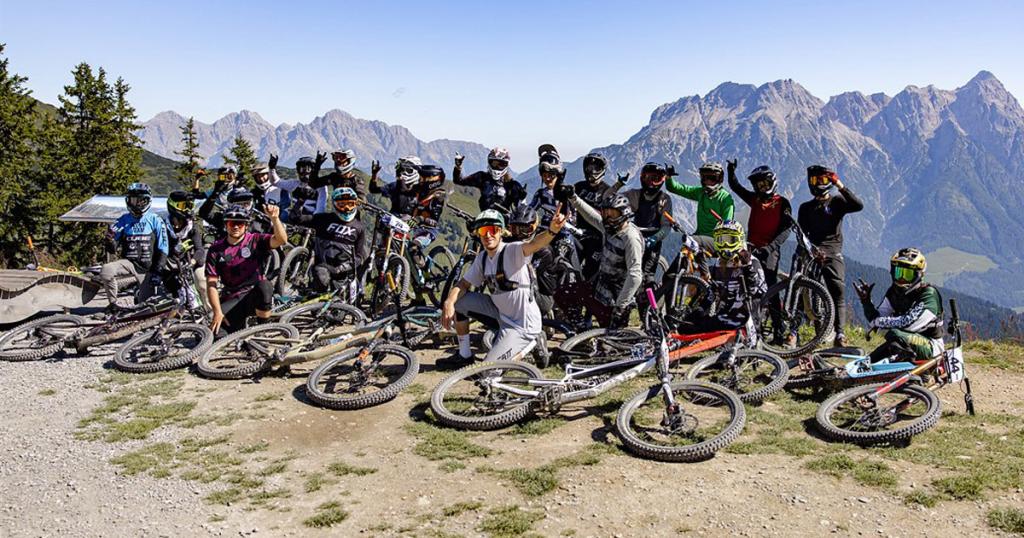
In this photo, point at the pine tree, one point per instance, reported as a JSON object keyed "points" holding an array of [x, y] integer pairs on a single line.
{"points": [[243, 157], [18, 158], [187, 168]]}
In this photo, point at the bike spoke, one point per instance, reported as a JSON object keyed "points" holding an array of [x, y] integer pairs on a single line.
{"points": [[475, 397], [888, 412], [700, 416]]}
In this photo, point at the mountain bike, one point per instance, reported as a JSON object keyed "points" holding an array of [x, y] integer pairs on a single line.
{"points": [[680, 291], [296, 268], [671, 421], [428, 271], [797, 313], [468, 253], [751, 373], [391, 272], [899, 409]]}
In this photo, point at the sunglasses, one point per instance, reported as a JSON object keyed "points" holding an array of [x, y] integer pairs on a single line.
{"points": [[235, 223], [492, 229]]}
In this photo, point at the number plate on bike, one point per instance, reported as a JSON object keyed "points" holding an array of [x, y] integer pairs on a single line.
{"points": [[394, 223], [955, 364], [638, 351]]}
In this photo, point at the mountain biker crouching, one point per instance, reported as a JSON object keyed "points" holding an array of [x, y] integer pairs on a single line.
{"points": [[510, 307], [235, 262], [340, 236], [911, 311], [620, 274], [734, 279], [140, 239]]}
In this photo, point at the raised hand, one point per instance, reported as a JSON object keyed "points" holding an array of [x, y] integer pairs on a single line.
{"points": [[458, 159], [863, 290], [621, 179], [321, 158], [558, 220], [272, 163], [272, 211], [374, 169], [731, 166]]}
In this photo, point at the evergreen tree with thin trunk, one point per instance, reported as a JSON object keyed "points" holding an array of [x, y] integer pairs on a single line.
{"points": [[190, 152], [243, 157], [18, 159]]}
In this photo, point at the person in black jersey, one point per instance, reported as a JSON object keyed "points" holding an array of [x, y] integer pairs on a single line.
{"points": [[495, 184], [592, 190], [340, 248], [344, 174], [821, 218], [649, 204]]}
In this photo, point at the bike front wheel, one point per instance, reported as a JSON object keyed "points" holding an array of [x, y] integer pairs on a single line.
{"points": [[471, 399], [39, 339], [853, 416], [439, 263], [705, 419], [161, 350], [246, 352], [361, 377], [796, 321], [294, 273], [599, 346], [336, 314], [753, 375]]}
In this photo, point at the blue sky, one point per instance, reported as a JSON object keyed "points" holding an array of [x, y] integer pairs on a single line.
{"points": [[577, 74]]}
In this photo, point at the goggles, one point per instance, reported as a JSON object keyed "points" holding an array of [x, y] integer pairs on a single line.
{"points": [[728, 242], [522, 229], [497, 164], [652, 178], [762, 184], [185, 206], [345, 205], [821, 180], [490, 229], [905, 275]]}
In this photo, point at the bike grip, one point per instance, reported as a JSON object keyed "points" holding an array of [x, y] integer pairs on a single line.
{"points": [[650, 299], [668, 216], [717, 216]]}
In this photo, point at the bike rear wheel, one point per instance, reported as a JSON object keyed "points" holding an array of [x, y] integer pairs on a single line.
{"points": [[598, 346], [294, 273], [687, 293], [390, 286], [39, 339], [112, 332], [466, 399], [246, 352], [852, 417], [806, 316], [359, 378], [308, 317], [709, 417], [440, 262], [754, 375], [161, 350]]}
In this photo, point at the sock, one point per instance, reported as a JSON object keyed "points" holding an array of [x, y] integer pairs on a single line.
{"points": [[464, 350]]}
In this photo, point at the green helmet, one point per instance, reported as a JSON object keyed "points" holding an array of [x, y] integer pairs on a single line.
{"points": [[489, 217]]}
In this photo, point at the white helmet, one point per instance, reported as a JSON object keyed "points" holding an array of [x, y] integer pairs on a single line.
{"points": [[407, 170], [497, 163], [348, 154]]}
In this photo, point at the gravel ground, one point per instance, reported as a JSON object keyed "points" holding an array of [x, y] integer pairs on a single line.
{"points": [[55, 485]]}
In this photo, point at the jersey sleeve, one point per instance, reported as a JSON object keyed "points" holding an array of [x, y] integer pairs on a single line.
{"points": [[691, 192], [475, 274]]}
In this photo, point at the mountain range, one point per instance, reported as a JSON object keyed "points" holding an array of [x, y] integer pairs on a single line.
{"points": [[371, 140], [937, 169]]}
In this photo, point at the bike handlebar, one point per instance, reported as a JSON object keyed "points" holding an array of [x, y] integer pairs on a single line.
{"points": [[650, 298]]}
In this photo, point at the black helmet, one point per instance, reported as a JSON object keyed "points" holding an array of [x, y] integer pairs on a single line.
{"points": [[180, 204], [138, 198], [594, 167], [621, 203], [431, 170], [237, 213], [522, 223], [306, 163], [711, 176], [239, 196], [653, 176], [764, 176], [549, 160], [820, 179]]}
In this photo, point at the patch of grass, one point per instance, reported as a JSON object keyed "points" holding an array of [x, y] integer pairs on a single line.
{"points": [[866, 472], [962, 487], [417, 391], [439, 444], [343, 469], [1002, 355], [262, 497], [1006, 519], [216, 518], [508, 521], [225, 496], [148, 458], [315, 482], [266, 397], [254, 447], [131, 411], [540, 480], [274, 468], [453, 510], [47, 392], [328, 514], [535, 426], [775, 444], [922, 498], [451, 466]]}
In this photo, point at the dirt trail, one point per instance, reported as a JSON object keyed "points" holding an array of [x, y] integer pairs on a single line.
{"points": [[385, 482]]}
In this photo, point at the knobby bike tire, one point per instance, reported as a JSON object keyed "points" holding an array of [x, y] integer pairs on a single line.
{"points": [[818, 292], [342, 401], [689, 453], [583, 341], [208, 366], [434, 293], [682, 282], [293, 264], [706, 368], [928, 419], [336, 310], [125, 362], [40, 348], [486, 422]]}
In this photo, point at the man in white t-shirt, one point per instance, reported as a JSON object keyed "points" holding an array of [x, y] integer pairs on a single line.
{"points": [[510, 306]]}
